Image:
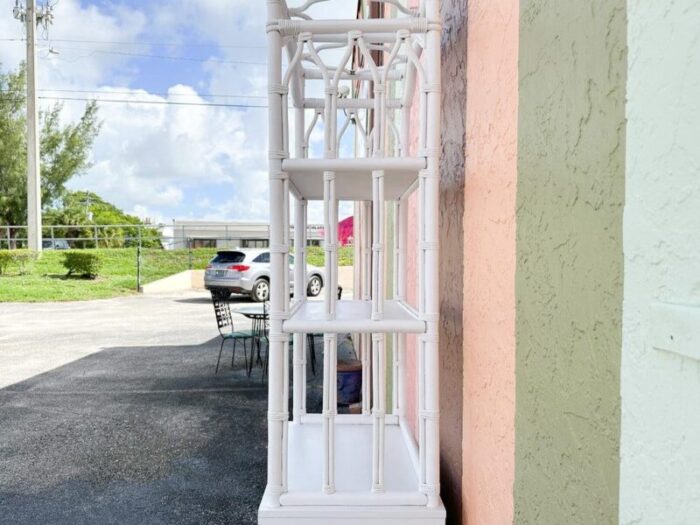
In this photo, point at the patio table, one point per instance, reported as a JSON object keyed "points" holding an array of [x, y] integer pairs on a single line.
{"points": [[258, 315]]}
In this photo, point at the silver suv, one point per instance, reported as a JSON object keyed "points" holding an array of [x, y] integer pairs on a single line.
{"points": [[248, 272]]}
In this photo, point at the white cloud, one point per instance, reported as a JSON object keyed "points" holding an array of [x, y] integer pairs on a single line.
{"points": [[78, 64], [159, 160], [152, 155]]}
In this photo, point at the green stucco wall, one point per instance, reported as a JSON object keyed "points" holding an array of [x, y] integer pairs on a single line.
{"points": [[572, 67]]}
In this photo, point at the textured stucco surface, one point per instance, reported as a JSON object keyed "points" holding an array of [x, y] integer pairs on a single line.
{"points": [[454, 47], [489, 254], [572, 59], [660, 444], [454, 36]]}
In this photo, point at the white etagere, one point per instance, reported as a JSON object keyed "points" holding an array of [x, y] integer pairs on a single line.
{"points": [[365, 468]]}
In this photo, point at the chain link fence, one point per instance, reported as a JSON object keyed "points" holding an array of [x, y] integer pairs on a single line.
{"points": [[147, 252], [141, 254]]}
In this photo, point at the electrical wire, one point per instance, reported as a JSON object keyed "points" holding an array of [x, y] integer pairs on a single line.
{"points": [[161, 57], [92, 52], [161, 94], [156, 102], [140, 43], [151, 102]]}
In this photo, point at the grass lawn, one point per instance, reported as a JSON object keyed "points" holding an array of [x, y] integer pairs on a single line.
{"points": [[316, 256], [46, 278]]}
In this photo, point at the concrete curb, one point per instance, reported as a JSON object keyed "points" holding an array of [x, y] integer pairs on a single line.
{"points": [[187, 280]]}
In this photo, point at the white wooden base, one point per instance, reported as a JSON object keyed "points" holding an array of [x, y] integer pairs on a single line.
{"points": [[351, 515], [353, 501]]}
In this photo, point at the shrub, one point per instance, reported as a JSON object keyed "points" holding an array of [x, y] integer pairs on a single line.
{"points": [[19, 258], [5, 260], [23, 260], [86, 264]]}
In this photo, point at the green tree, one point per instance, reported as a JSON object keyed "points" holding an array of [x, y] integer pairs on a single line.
{"points": [[64, 148], [80, 211]]}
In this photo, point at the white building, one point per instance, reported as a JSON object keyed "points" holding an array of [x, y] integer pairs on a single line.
{"points": [[225, 234]]}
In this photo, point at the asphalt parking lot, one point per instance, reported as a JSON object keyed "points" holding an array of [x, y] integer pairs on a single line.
{"points": [[110, 412]]}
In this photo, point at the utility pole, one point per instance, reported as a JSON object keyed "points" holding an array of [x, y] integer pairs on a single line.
{"points": [[33, 16]]}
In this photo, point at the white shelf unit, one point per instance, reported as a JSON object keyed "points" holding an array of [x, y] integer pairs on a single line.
{"points": [[353, 317], [353, 182], [366, 468]]}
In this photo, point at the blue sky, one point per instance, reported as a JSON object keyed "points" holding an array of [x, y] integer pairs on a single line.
{"points": [[165, 161]]}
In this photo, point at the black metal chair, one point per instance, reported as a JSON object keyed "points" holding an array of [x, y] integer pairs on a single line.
{"points": [[263, 335], [224, 322]]}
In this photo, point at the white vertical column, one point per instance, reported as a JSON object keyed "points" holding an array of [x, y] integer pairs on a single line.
{"points": [[402, 236], [365, 339], [285, 411], [378, 343], [276, 410], [330, 225], [285, 315], [299, 348], [299, 352], [286, 242], [334, 264], [420, 358], [430, 307], [378, 411], [367, 252], [378, 269], [303, 262], [330, 404], [357, 251], [299, 130], [395, 293], [330, 340], [330, 219]]}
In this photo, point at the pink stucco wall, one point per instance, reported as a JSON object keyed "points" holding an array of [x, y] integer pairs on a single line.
{"points": [[488, 251], [489, 273]]}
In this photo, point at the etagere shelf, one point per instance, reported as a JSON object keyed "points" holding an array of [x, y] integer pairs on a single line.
{"points": [[370, 467]]}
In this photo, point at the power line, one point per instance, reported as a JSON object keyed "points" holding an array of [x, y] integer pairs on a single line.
{"points": [[15, 98], [163, 57], [148, 55], [155, 102], [141, 43], [162, 94], [150, 102]]}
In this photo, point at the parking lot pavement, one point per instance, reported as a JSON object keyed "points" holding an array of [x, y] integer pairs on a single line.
{"points": [[110, 412], [38, 337]]}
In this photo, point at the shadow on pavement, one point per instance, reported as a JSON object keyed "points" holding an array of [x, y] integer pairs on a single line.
{"points": [[135, 435]]}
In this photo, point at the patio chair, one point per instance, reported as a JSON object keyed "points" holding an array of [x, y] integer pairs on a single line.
{"points": [[224, 322], [263, 335]]}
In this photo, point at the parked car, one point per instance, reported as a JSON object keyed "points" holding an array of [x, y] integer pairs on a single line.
{"points": [[248, 272], [55, 244]]}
